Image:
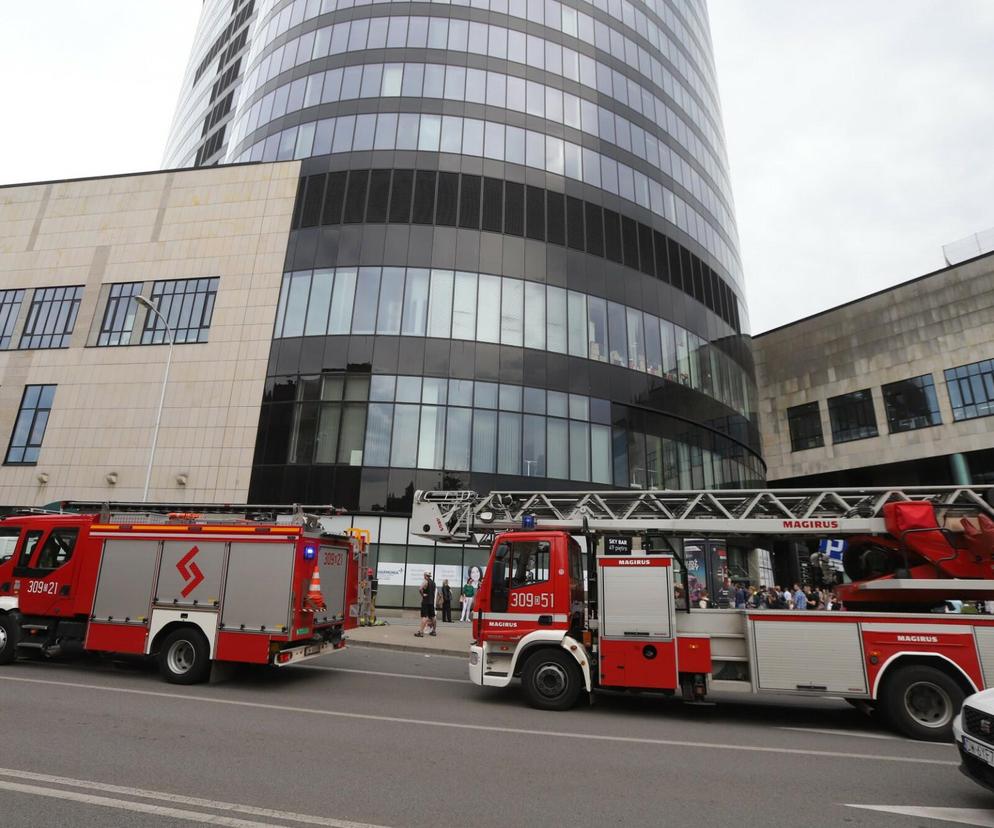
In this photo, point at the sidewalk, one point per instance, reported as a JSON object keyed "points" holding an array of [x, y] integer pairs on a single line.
{"points": [[398, 634]]}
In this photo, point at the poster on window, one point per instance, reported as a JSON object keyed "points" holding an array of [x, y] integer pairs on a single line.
{"points": [[390, 573], [695, 556], [452, 572], [416, 574], [475, 572]]}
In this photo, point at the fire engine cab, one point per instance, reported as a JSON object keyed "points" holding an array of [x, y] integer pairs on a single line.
{"points": [[567, 608], [186, 588]]}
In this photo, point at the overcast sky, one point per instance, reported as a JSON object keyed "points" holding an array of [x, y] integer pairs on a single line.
{"points": [[860, 132]]}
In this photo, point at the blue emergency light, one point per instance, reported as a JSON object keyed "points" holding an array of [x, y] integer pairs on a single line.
{"points": [[309, 552], [528, 521]]}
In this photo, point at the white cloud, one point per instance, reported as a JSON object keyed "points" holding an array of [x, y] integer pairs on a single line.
{"points": [[859, 137], [89, 88]]}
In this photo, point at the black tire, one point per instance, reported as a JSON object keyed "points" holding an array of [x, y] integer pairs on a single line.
{"points": [[921, 702], [10, 634], [551, 680], [184, 657]]}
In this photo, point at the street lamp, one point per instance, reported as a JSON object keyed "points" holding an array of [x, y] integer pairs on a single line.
{"points": [[147, 304]]}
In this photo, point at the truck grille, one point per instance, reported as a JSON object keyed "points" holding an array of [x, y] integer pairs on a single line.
{"points": [[979, 725]]}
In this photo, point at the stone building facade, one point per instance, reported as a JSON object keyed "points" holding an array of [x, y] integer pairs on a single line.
{"points": [[894, 388], [81, 365]]}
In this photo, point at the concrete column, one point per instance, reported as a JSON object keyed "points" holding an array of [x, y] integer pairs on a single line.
{"points": [[960, 469]]}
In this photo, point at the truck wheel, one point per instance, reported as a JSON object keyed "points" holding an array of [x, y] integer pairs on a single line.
{"points": [[551, 680], [921, 702], [10, 634], [184, 657]]}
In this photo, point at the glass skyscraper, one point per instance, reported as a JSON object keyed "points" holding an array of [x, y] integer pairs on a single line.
{"points": [[513, 261]]}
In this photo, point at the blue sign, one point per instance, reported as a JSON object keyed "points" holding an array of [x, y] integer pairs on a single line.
{"points": [[832, 547]]}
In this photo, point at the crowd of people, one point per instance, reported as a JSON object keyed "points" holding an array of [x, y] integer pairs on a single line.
{"points": [[744, 596]]}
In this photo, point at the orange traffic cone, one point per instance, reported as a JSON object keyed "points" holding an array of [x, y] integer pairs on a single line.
{"points": [[315, 600]]}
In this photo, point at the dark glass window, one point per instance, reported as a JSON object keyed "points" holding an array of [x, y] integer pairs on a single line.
{"points": [[536, 213], [595, 229], [645, 250], [314, 199], [448, 194], [187, 305], [514, 208], [574, 223], [493, 205], [334, 195], [51, 318], [852, 416], [424, 197], [911, 404], [29, 428], [612, 236], [379, 193], [971, 389], [10, 306], [556, 217], [469, 202], [400, 198], [804, 422], [119, 315], [355, 197], [630, 242]]}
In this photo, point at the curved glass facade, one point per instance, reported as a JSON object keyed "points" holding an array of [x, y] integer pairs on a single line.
{"points": [[513, 262]]}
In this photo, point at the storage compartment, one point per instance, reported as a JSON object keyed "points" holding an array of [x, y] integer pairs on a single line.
{"points": [[124, 586], [645, 664], [636, 597], [258, 588], [805, 655]]}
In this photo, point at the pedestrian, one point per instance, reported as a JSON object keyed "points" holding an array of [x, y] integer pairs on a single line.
{"points": [[799, 598], [468, 593], [704, 602], [446, 601], [427, 591], [740, 597]]}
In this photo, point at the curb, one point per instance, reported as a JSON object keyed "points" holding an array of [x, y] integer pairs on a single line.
{"points": [[406, 648]]}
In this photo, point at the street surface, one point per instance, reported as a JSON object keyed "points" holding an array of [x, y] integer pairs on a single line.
{"points": [[385, 738]]}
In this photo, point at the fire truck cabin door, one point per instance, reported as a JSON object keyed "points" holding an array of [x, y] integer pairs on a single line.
{"points": [[46, 568]]}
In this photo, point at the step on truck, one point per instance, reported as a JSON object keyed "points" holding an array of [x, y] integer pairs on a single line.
{"points": [[582, 593], [185, 588]]}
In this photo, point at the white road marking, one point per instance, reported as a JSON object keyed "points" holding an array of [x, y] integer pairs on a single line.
{"points": [[965, 816], [178, 799], [592, 737], [140, 807], [378, 673], [858, 733]]}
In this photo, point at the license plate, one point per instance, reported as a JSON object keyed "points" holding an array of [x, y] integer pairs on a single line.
{"points": [[982, 752], [312, 649]]}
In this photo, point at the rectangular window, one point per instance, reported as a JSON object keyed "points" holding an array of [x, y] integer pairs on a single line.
{"points": [[911, 404], [187, 305], [51, 317], [29, 428], [804, 422], [464, 306], [556, 319], [10, 306], [484, 441], [852, 416], [971, 390], [119, 315], [617, 334]]}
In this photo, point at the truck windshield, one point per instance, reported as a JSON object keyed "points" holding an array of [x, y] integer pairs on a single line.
{"points": [[8, 542]]}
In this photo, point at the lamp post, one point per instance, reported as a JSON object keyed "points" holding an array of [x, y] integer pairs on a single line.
{"points": [[147, 304]]}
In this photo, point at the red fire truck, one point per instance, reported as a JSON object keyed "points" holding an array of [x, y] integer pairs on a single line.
{"points": [[618, 627], [186, 588]]}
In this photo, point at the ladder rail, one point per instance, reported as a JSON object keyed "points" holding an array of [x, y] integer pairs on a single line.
{"points": [[456, 515]]}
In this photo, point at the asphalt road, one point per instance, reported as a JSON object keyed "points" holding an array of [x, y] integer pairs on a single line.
{"points": [[401, 739]]}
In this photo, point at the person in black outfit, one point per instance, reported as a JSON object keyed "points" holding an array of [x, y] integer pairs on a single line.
{"points": [[446, 602], [427, 591]]}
